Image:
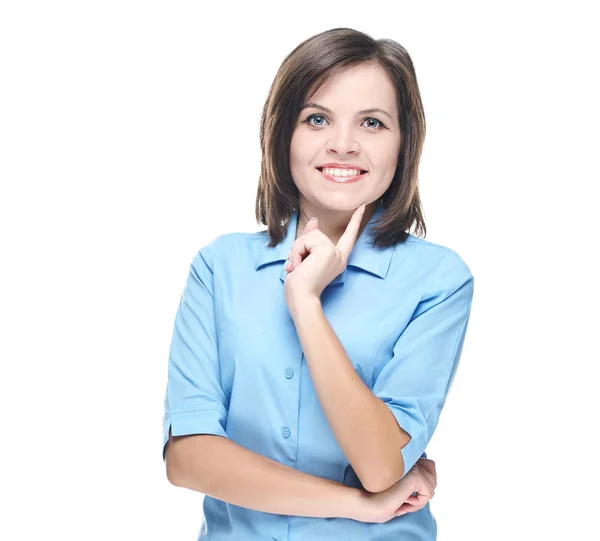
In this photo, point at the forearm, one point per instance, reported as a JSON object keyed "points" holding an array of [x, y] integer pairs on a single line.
{"points": [[364, 427], [224, 470]]}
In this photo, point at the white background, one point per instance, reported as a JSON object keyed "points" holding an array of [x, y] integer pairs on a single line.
{"points": [[129, 138]]}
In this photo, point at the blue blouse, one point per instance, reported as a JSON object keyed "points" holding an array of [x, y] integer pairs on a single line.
{"points": [[236, 367]]}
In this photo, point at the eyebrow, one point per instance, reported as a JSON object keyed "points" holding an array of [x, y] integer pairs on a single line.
{"points": [[361, 112]]}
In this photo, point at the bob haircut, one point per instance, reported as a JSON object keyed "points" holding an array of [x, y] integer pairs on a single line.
{"points": [[302, 73]]}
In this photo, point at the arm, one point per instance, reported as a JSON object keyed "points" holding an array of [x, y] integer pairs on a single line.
{"points": [[391, 425], [196, 448], [370, 437], [226, 471]]}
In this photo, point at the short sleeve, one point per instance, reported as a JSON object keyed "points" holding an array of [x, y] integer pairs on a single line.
{"points": [[415, 382], [194, 401]]}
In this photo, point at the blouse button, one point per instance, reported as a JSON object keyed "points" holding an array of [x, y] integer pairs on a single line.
{"points": [[285, 432], [289, 373]]}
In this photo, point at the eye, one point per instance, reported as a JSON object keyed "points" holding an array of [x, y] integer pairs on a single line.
{"points": [[380, 124], [319, 117], [313, 116]]}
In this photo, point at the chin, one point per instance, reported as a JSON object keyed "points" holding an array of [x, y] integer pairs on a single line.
{"points": [[343, 206]]}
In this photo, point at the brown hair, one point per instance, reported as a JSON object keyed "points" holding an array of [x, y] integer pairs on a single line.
{"points": [[305, 69]]}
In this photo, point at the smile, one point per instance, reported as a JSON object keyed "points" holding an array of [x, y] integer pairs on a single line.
{"points": [[342, 179]]}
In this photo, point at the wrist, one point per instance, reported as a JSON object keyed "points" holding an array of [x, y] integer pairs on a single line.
{"points": [[355, 504], [361, 506], [302, 303]]}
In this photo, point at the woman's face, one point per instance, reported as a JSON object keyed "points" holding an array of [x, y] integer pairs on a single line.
{"points": [[333, 130]]}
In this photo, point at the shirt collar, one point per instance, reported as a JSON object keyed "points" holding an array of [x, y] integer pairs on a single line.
{"points": [[363, 255]]}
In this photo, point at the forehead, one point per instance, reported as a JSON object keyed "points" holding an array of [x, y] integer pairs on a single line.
{"points": [[359, 87]]}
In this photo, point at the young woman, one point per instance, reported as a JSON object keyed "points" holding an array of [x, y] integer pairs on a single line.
{"points": [[310, 362]]}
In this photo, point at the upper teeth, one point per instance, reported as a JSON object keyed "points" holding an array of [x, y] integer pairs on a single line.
{"points": [[341, 172]]}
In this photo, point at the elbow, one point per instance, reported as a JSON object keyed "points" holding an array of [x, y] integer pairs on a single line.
{"points": [[175, 459], [380, 484], [170, 465], [179, 476], [379, 480], [384, 478], [188, 463], [372, 487], [171, 477]]}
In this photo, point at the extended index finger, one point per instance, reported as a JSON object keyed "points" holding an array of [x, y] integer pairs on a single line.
{"points": [[348, 238]]}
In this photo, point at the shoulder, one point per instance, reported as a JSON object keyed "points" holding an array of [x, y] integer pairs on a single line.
{"points": [[436, 263], [237, 247], [437, 273]]}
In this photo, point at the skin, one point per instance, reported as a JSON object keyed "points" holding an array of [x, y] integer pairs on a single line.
{"points": [[322, 246], [219, 467], [371, 141], [398, 499]]}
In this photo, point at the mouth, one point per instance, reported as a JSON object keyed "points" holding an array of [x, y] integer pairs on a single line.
{"points": [[342, 179]]}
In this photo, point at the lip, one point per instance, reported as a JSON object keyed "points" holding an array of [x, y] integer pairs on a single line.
{"points": [[345, 180], [341, 166]]}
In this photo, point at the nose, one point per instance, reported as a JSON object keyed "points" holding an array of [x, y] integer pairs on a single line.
{"points": [[343, 141]]}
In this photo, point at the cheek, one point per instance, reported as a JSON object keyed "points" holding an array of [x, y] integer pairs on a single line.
{"points": [[296, 148], [304, 141], [385, 154]]}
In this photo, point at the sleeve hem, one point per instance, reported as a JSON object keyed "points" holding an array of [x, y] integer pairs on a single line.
{"points": [[415, 448], [193, 422], [412, 451]]}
